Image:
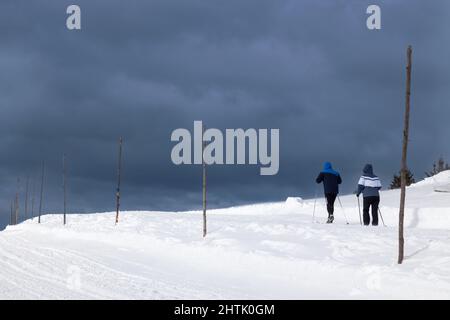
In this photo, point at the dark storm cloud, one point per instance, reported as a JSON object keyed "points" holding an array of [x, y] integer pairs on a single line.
{"points": [[144, 68]]}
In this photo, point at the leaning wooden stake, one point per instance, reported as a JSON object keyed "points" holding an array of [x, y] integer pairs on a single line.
{"points": [[42, 191], [401, 240], [119, 169], [204, 185], [64, 188]]}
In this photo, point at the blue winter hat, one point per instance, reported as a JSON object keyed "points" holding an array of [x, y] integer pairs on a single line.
{"points": [[327, 168]]}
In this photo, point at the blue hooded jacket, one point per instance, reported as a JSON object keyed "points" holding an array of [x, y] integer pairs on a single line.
{"points": [[330, 178], [327, 168]]}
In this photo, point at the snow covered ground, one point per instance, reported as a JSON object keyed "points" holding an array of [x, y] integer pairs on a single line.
{"points": [[263, 251]]}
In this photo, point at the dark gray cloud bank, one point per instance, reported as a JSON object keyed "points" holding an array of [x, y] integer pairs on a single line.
{"points": [[141, 69]]}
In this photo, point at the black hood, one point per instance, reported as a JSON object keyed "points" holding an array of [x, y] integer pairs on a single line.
{"points": [[368, 170]]}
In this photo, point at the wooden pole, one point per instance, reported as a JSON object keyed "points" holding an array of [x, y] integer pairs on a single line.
{"points": [[119, 169], [42, 191], [16, 209], [26, 197], [32, 197], [401, 240], [64, 187], [11, 218], [204, 185], [16, 206]]}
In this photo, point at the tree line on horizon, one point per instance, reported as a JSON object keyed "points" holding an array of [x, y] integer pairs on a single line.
{"points": [[438, 166]]}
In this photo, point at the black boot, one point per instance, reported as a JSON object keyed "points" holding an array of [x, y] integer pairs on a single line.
{"points": [[330, 218]]}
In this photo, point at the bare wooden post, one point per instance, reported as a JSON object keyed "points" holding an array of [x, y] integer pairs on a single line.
{"points": [[32, 197], [16, 209], [64, 187], [16, 203], [204, 184], [401, 240], [26, 197], [11, 218], [119, 169], [42, 191]]}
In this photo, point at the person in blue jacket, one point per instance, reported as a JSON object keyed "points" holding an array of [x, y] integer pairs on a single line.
{"points": [[331, 181], [369, 185]]}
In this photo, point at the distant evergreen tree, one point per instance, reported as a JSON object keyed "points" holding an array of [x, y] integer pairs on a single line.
{"points": [[438, 166], [396, 180]]}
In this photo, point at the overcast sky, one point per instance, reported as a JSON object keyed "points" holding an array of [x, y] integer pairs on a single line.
{"points": [[141, 69]]}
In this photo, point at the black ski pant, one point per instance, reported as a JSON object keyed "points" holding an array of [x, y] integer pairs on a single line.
{"points": [[368, 202], [331, 197]]}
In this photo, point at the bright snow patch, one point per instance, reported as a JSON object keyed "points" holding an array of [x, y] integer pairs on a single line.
{"points": [[263, 251]]}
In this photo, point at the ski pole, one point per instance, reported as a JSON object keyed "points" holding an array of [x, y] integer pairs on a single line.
{"points": [[381, 217], [314, 210], [340, 203], [359, 210]]}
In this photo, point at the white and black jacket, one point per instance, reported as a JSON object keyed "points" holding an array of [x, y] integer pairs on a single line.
{"points": [[369, 184]]}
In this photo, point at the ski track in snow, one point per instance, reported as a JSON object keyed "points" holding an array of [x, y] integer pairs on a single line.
{"points": [[264, 251]]}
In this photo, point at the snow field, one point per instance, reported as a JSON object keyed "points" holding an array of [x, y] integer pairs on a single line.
{"points": [[263, 251]]}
